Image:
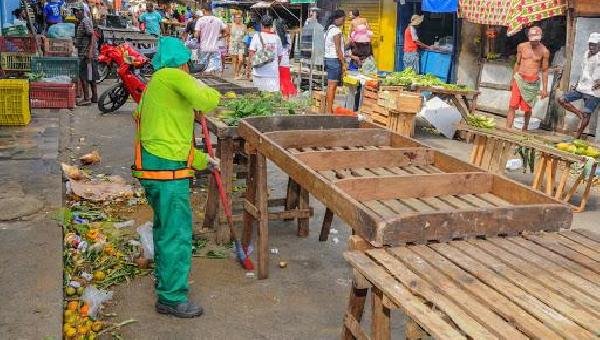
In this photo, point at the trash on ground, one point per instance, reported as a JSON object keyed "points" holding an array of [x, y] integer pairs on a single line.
{"points": [[283, 264], [106, 189], [333, 231], [124, 224], [274, 251], [90, 158], [145, 232], [73, 172]]}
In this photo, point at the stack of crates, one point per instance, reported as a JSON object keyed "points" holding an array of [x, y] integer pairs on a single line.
{"points": [[57, 47], [56, 66], [16, 53], [54, 95], [14, 102]]}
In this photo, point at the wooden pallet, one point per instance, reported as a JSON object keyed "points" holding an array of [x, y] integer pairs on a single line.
{"points": [[389, 189], [536, 286], [552, 174]]}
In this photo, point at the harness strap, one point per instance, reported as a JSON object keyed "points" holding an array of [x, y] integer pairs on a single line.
{"points": [[159, 175]]}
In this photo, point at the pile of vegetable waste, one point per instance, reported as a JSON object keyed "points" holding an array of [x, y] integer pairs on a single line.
{"points": [[236, 108], [579, 147], [410, 77]]}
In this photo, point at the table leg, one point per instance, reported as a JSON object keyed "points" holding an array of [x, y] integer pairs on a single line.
{"points": [[225, 154], [588, 186], [249, 220], [303, 223], [291, 200], [327, 220], [380, 316], [262, 198], [356, 307]]}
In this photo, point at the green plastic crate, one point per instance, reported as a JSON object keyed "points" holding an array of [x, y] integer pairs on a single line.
{"points": [[56, 66]]}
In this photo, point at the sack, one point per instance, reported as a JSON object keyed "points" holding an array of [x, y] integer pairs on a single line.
{"points": [[62, 30], [263, 56]]}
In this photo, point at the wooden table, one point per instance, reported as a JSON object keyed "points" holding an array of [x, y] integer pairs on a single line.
{"points": [[224, 86], [389, 189], [465, 101], [230, 150], [493, 148], [539, 285]]}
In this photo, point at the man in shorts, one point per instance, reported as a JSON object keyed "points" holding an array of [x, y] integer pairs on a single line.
{"points": [[588, 87], [87, 51], [209, 29]]}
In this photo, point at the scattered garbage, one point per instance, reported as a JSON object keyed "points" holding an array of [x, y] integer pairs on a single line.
{"points": [[103, 189], [274, 251], [145, 232], [514, 164], [90, 158], [333, 231], [250, 275], [282, 264], [94, 298], [335, 240], [124, 224], [73, 172]]}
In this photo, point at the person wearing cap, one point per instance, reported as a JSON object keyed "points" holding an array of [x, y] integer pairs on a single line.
{"points": [[165, 117], [588, 86], [412, 43], [532, 59]]}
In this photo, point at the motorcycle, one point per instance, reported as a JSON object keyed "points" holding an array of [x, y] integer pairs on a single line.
{"points": [[129, 62], [107, 66]]}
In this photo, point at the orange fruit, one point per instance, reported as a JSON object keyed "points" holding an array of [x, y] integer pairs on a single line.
{"points": [[73, 305], [84, 310]]}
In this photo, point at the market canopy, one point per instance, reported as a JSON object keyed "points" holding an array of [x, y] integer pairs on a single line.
{"points": [[515, 14]]}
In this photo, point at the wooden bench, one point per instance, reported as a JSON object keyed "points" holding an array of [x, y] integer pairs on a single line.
{"points": [[540, 285], [552, 174]]}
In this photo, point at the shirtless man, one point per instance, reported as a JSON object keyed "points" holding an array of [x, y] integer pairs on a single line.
{"points": [[357, 20], [532, 58]]}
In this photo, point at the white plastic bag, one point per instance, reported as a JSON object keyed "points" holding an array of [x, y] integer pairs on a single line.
{"points": [[145, 232], [442, 116], [94, 298]]}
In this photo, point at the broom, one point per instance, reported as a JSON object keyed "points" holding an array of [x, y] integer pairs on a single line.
{"points": [[239, 250]]}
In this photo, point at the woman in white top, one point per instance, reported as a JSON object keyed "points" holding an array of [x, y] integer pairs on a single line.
{"points": [[266, 76], [334, 55]]}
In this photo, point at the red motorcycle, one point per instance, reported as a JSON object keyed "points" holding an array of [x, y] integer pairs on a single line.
{"points": [[129, 63]]}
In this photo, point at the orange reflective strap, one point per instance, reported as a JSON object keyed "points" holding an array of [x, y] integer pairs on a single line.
{"points": [[138, 146]]}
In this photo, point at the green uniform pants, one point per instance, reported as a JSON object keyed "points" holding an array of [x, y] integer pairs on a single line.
{"points": [[172, 230]]}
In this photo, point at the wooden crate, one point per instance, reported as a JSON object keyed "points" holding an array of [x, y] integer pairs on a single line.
{"points": [[394, 98], [318, 104]]}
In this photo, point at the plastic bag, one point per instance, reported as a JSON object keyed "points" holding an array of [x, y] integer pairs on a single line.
{"points": [[94, 298], [57, 79], [145, 232], [62, 30]]}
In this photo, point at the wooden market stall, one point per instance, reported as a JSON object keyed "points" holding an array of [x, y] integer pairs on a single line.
{"points": [[389, 189]]}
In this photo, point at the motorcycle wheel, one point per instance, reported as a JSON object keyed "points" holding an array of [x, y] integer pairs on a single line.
{"points": [[147, 70], [113, 98], [103, 71]]}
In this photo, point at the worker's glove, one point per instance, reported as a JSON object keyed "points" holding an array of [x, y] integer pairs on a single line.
{"points": [[214, 164]]}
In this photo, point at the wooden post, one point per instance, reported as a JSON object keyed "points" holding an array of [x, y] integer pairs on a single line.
{"points": [[380, 314], [225, 154], [291, 199], [327, 220], [566, 73], [356, 307], [250, 197], [303, 223], [588, 186], [262, 198]]}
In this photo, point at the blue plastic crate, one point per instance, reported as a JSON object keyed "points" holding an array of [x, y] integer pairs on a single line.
{"points": [[56, 66]]}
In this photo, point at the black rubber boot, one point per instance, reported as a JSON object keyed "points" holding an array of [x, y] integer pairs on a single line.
{"points": [[180, 310]]}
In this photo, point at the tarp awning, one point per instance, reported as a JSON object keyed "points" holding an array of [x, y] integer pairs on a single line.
{"points": [[515, 14]]}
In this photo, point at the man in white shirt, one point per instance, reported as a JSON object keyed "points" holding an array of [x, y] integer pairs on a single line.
{"points": [[208, 31], [588, 87]]}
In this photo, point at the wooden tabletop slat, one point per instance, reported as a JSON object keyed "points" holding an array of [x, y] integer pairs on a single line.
{"points": [[588, 234], [380, 209], [544, 273], [476, 201], [455, 201], [437, 204], [565, 263], [552, 299], [467, 323], [413, 170], [412, 306], [477, 309], [495, 200], [559, 320], [417, 204], [591, 244], [397, 206], [594, 255], [499, 303], [564, 251]]}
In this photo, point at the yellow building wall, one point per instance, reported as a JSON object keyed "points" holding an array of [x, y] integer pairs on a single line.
{"points": [[381, 15], [386, 51]]}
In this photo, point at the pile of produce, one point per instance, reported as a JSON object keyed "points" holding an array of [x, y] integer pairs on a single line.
{"points": [[259, 104], [579, 147], [410, 77], [481, 121]]}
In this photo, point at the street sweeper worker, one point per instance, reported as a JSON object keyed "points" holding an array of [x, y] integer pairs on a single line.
{"points": [[165, 160]]}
